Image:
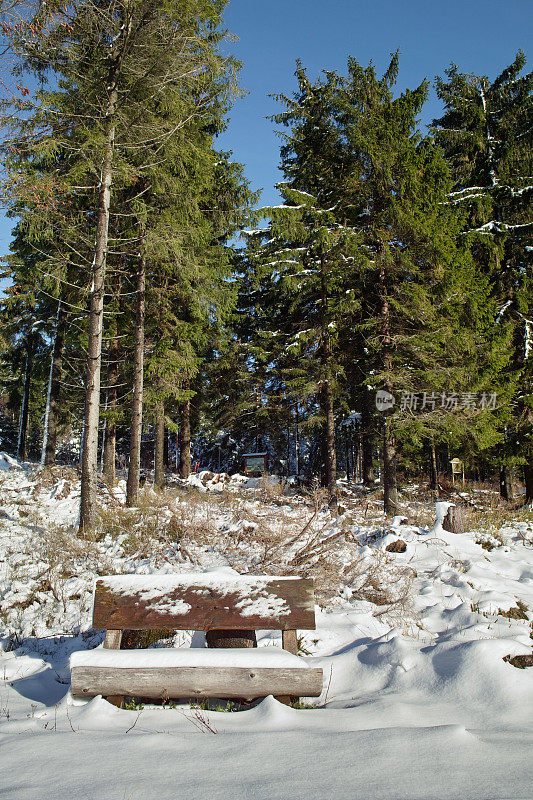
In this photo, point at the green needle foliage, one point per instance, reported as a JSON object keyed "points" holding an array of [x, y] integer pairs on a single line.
{"points": [[366, 274], [485, 134]]}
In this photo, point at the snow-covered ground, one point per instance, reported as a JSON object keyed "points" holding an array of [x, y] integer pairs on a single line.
{"points": [[417, 701]]}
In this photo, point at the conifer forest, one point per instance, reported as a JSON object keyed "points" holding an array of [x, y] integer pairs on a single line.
{"points": [[158, 319]]}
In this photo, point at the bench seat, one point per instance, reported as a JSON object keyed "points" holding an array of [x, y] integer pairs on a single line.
{"points": [[162, 673]]}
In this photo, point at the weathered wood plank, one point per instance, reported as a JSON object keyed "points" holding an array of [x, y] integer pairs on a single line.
{"points": [[175, 602], [172, 682]]}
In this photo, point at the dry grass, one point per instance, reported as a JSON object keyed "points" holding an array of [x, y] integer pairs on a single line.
{"points": [[272, 490], [153, 529], [65, 555], [422, 517], [54, 571], [492, 524], [516, 612], [188, 525]]}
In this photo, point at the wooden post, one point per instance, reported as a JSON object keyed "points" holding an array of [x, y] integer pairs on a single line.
{"points": [[289, 642], [113, 641]]}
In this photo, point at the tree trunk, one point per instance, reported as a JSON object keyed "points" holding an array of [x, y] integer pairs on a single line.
{"points": [[234, 638], [528, 479], [328, 432], [367, 457], [110, 444], [25, 405], [89, 465], [390, 488], [432, 466], [134, 468], [48, 454], [159, 455], [48, 402], [330, 459], [454, 521], [297, 439], [506, 486], [347, 457], [185, 439]]}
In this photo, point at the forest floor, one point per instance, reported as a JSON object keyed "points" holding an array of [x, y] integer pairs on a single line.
{"points": [[418, 701]]}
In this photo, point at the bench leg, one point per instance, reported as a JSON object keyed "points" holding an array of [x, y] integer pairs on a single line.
{"points": [[289, 642], [286, 699], [112, 641]]}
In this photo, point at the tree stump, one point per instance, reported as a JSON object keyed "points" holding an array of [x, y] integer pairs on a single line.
{"points": [[232, 638], [454, 521]]}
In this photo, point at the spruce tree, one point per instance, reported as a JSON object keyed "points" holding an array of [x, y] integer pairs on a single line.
{"points": [[113, 62], [307, 254], [485, 133], [103, 113], [368, 255]]}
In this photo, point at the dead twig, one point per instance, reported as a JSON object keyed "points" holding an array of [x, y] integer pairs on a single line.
{"points": [[136, 721], [318, 549], [310, 544], [305, 527]]}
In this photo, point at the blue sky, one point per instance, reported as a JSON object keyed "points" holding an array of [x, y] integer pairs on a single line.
{"points": [[480, 36]]}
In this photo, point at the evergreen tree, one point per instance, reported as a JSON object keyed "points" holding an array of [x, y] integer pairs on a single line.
{"points": [[485, 133], [365, 244], [113, 63], [307, 254]]}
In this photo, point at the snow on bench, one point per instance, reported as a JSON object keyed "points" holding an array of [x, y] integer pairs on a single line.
{"points": [[214, 602], [163, 657]]}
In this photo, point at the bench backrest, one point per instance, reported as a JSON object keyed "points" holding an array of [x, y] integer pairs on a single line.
{"points": [[203, 602]]}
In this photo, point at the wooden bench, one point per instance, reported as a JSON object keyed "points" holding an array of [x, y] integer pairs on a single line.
{"points": [[226, 607]]}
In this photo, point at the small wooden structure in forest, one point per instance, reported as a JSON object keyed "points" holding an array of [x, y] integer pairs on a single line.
{"points": [[255, 464], [458, 468]]}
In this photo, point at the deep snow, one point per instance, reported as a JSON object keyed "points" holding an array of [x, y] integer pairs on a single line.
{"points": [[417, 702]]}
